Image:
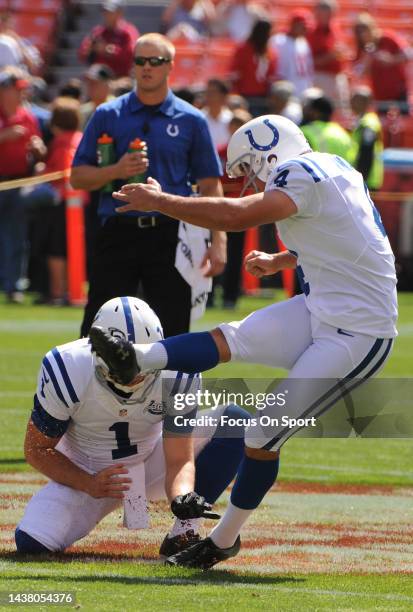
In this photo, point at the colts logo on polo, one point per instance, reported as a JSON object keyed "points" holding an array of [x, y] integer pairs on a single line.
{"points": [[264, 147], [172, 130]]}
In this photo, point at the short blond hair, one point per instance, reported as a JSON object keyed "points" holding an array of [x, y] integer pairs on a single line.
{"points": [[153, 38]]}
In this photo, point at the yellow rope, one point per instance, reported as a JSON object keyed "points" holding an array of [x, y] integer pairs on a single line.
{"points": [[35, 180]]}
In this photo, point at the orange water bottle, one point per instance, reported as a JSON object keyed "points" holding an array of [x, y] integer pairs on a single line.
{"points": [[106, 156], [137, 146]]}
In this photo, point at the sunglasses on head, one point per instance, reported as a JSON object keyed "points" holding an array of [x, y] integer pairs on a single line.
{"points": [[153, 61]]}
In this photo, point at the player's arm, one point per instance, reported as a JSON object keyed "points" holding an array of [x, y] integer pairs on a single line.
{"points": [[261, 264], [180, 466], [219, 213], [41, 453]]}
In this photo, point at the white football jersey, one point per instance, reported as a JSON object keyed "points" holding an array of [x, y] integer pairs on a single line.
{"points": [[345, 262], [99, 426]]}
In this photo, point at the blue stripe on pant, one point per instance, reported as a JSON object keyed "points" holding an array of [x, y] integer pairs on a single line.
{"points": [[372, 362]]}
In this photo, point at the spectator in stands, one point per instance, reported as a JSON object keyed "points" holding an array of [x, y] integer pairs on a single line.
{"points": [[98, 80], [34, 98], [71, 89], [186, 93], [122, 86], [326, 43], [237, 102], [254, 68], [368, 138], [323, 134], [111, 43], [295, 58], [236, 18], [382, 57], [49, 199], [20, 148], [281, 101], [189, 19], [141, 248], [15, 50], [217, 113]]}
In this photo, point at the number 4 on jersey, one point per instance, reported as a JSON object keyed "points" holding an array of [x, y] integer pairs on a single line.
{"points": [[281, 179]]}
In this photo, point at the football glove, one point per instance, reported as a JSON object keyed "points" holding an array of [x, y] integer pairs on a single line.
{"points": [[191, 505]]}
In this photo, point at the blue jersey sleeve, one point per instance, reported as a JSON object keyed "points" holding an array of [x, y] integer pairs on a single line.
{"points": [[46, 423], [204, 158]]}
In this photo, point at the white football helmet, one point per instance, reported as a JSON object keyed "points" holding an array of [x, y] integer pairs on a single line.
{"points": [[134, 320], [262, 144]]}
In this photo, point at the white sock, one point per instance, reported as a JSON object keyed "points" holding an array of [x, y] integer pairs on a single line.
{"points": [[151, 356], [228, 528], [180, 527]]}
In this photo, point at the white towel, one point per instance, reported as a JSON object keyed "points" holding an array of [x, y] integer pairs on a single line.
{"points": [[192, 244], [135, 505]]}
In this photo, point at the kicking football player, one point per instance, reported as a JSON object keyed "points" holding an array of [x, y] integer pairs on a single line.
{"points": [[88, 433], [331, 338]]}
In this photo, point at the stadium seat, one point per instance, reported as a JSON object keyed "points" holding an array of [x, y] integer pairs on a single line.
{"points": [[216, 61], [50, 7], [39, 29], [188, 60], [195, 63]]}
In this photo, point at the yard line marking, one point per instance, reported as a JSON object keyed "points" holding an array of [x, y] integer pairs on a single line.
{"points": [[186, 581]]}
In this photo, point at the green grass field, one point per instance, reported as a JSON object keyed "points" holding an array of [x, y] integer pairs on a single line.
{"points": [[336, 532]]}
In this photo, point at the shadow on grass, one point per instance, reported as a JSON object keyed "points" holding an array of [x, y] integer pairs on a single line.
{"points": [[169, 576]]}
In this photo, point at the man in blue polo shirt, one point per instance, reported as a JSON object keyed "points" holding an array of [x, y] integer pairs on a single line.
{"points": [[140, 248]]}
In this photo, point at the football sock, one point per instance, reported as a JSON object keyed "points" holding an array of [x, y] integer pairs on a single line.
{"points": [[220, 457], [254, 479], [228, 528], [180, 527]]}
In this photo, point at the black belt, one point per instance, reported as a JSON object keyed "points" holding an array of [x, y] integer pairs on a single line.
{"points": [[143, 221]]}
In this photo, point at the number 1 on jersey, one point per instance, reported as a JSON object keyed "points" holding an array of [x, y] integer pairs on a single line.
{"points": [[125, 448]]}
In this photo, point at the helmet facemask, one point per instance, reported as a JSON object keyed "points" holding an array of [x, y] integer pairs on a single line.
{"points": [[245, 165]]}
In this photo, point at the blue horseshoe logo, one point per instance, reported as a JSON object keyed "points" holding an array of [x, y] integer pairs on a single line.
{"points": [[273, 143]]}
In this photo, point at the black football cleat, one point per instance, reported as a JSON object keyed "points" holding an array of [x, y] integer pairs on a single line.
{"points": [[172, 546], [118, 355], [204, 555]]}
